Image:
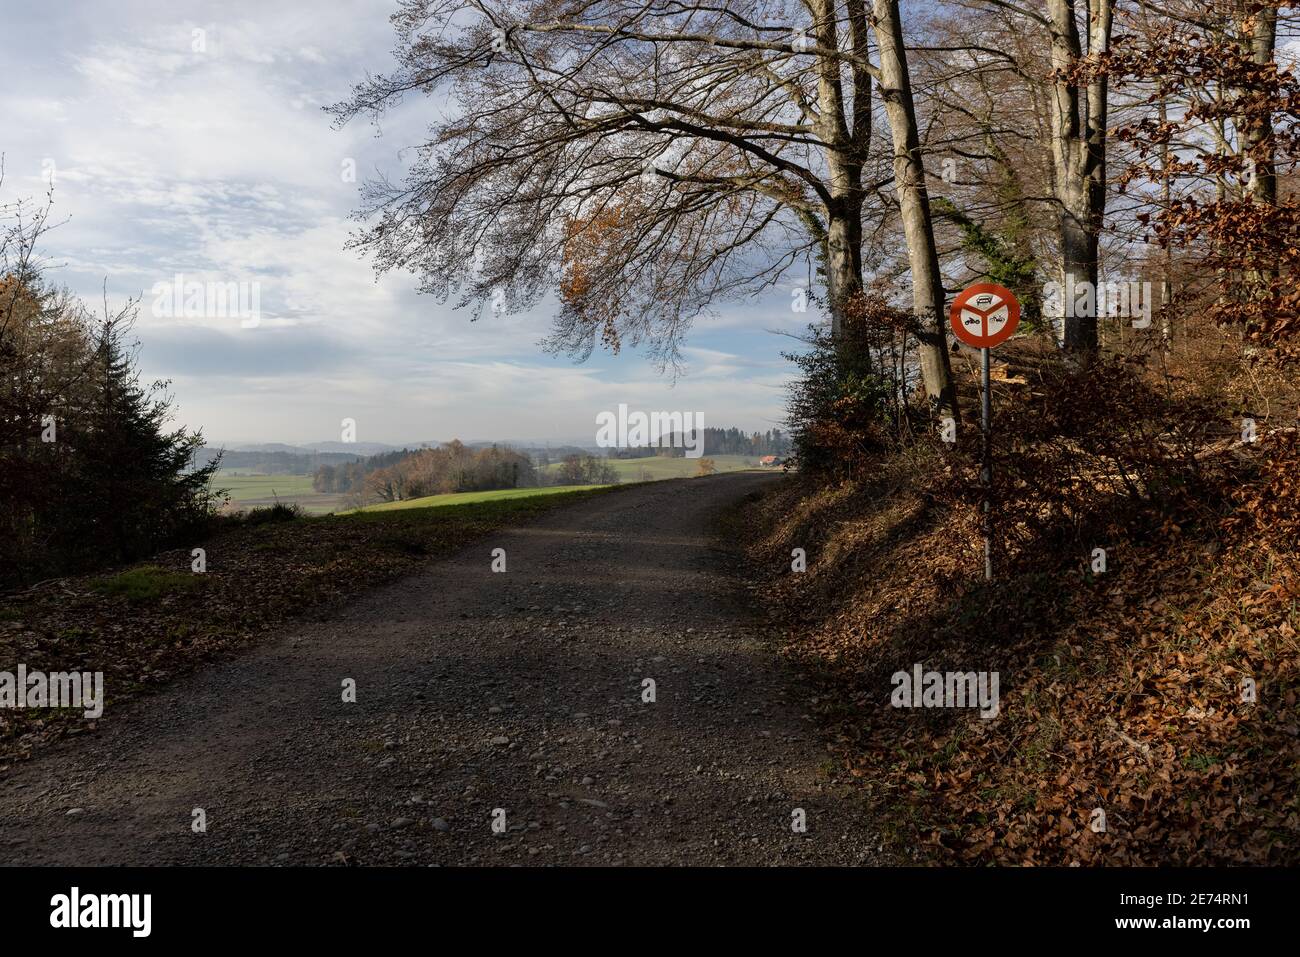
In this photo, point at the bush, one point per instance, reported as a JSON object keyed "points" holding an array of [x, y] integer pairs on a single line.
{"points": [[1083, 454], [279, 512], [849, 404]]}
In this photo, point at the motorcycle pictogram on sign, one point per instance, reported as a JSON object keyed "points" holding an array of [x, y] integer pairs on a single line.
{"points": [[984, 315]]}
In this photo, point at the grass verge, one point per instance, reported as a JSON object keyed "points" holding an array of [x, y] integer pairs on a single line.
{"points": [[471, 498]]}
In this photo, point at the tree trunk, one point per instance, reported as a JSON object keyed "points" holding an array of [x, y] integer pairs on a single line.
{"points": [[843, 261], [1094, 153], [928, 301], [1079, 264], [844, 212], [1167, 266], [1079, 157], [1257, 142], [1258, 130]]}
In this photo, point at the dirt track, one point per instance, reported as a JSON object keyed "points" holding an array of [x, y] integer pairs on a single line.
{"points": [[475, 691]]}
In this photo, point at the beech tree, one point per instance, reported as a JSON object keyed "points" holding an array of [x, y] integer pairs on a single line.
{"points": [[914, 206], [642, 161], [1230, 133], [1072, 117]]}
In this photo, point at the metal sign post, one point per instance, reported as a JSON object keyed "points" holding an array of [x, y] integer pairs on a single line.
{"points": [[986, 467], [983, 316]]}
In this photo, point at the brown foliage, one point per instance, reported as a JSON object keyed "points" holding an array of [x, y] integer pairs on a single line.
{"points": [[592, 246], [1234, 213], [1120, 691]]}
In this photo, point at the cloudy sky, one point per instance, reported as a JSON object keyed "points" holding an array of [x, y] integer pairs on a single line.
{"points": [[206, 155]]}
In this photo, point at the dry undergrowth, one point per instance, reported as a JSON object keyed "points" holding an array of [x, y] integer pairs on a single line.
{"points": [[1120, 691]]}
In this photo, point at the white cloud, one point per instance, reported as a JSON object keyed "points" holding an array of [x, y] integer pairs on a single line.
{"points": [[218, 164]]}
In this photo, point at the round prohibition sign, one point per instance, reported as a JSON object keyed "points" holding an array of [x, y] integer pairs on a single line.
{"points": [[984, 315]]}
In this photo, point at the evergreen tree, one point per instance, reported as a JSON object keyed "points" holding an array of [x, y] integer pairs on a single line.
{"points": [[130, 486]]}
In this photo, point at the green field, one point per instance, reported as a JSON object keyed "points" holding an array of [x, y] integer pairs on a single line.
{"points": [[468, 498], [249, 491], [656, 467]]}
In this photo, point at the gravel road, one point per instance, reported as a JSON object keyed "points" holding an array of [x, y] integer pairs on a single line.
{"points": [[499, 719]]}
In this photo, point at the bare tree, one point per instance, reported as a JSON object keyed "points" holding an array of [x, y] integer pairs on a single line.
{"points": [[1077, 107], [914, 205], [641, 160]]}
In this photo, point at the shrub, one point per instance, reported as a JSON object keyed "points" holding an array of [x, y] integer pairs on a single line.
{"points": [[850, 402], [279, 512]]}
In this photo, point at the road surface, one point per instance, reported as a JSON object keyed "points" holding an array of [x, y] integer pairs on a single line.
{"points": [[499, 719]]}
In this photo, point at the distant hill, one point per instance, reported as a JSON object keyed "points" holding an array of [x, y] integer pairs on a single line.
{"points": [[356, 448], [272, 460], [555, 453], [269, 447]]}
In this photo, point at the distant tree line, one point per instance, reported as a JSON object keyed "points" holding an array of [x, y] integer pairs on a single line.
{"points": [[273, 463], [730, 441], [583, 470], [543, 457], [415, 473]]}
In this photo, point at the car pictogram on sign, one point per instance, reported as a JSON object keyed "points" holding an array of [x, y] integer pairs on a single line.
{"points": [[984, 315]]}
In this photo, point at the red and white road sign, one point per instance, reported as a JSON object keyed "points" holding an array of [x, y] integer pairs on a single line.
{"points": [[984, 315]]}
